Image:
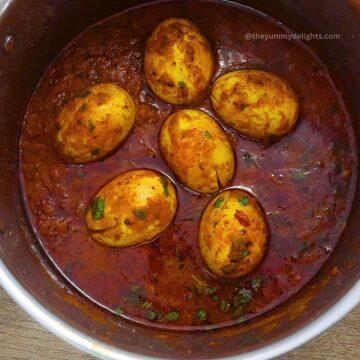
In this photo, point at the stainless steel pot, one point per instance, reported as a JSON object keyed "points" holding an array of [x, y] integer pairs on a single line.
{"points": [[34, 32]]}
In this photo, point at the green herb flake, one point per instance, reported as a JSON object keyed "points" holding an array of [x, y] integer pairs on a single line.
{"points": [[95, 151], [98, 208], [140, 214], [207, 134], [215, 298], [238, 312], [165, 183], [304, 246], [119, 311], [211, 290], [201, 314], [91, 126], [245, 252], [299, 175], [256, 283], [219, 201], [244, 201], [172, 315], [135, 288], [83, 107], [146, 304], [182, 84], [84, 94], [245, 296], [82, 175], [224, 306], [152, 315]]}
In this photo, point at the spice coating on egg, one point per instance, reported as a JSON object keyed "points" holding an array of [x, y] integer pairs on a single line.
{"points": [[178, 62], [94, 123], [133, 208], [233, 234], [197, 150], [258, 104]]}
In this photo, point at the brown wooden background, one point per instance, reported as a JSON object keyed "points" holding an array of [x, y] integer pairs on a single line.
{"points": [[21, 338]]}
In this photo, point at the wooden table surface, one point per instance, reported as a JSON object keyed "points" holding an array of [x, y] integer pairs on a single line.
{"points": [[21, 338]]}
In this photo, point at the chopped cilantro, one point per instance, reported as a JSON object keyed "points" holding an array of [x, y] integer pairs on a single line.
{"points": [[245, 252], [244, 201], [215, 298], [256, 283], [135, 288], [140, 214], [133, 299], [95, 151], [224, 306], [299, 175], [238, 311], [98, 208], [82, 175], [201, 314], [172, 315], [83, 107], [91, 126], [84, 94], [304, 246], [207, 134], [219, 201], [212, 290], [152, 315], [146, 305], [119, 311], [165, 184], [245, 296], [182, 84]]}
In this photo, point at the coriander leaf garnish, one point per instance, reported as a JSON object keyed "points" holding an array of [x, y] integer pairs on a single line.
{"points": [[119, 311], [140, 214], [165, 183], [172, 315], [219, 201], [299, 175], [245, 296], [201, 314], [98, 208], [83, 107], [256, 283], [245, 252], [91, 126], [207, 134], [224, 306], [95, 151], [182, 84], [244, 201], [84, 94], [152, 315], [135, 288]]}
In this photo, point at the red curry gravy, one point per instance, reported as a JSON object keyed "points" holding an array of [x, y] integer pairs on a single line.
{"points": [[304, 182]]}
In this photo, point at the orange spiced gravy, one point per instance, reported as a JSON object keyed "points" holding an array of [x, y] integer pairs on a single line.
{"points": [[302, 181]]}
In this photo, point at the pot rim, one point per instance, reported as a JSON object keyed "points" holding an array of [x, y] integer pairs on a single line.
{"points": [[97, 348]]}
